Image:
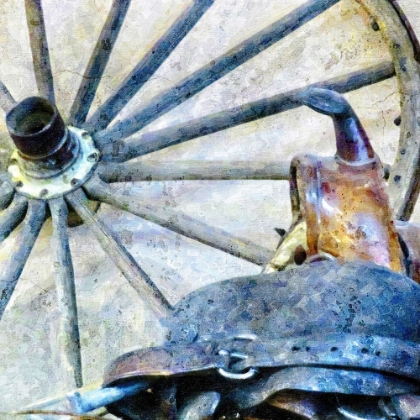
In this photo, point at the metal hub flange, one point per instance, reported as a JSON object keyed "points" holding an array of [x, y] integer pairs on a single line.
{"points": [[51, 159]]}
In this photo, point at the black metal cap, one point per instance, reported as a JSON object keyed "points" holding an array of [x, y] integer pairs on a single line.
{"points": [[36, 127]]}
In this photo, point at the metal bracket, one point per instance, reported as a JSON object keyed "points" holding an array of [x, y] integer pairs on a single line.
{"points": [[68, 180]]}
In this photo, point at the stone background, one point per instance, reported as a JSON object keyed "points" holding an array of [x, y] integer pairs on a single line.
{"points": [[112, 318]]}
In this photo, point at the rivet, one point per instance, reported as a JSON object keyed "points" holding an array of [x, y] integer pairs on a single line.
{"points": [[375, 26], [93, 157]]}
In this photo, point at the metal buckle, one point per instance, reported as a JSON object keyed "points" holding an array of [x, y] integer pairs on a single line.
{"points": [[236, 356], [248, 374]]}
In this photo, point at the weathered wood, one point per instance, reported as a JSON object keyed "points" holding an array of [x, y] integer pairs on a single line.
{"points": [[98, 61], [7, 193], [66, 292], [178, 222], [24, 243], [7, 102], [156, 140], [39, 47], [193, 170], [12, 216], [148, 65], [138, 279], [404, 179], [215, 70]]}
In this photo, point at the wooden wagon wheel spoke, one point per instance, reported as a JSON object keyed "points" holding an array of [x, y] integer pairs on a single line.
{"points": [[39, 47], [120, 151], [145, 69], [138, 279], [66, 290], [7, 193], [178, 222], [25, 241], [81, 168], [193, 170], [12, 216], [213, 71], [98, 62], [7, 102]]}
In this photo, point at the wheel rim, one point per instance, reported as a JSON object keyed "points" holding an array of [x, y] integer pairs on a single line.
{"points": [[403, 179], [402, 190]]}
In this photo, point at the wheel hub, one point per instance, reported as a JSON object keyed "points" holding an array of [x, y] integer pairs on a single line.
{"points": [[51, 159]]}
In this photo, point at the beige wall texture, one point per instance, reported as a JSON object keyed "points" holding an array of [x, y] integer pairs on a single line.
{"points": [[113, 319]]}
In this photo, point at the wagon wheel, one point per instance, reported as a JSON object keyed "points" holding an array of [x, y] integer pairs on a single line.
{"points": [[92, 153]]}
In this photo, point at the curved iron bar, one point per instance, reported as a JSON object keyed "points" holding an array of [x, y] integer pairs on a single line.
{"points": [[12, 216], [213, 71], [39, 47], [146, 143], [404, 179], [138, 279], [66, 290], [25, 241], [193, 170], [98, 61], [7, 102], [148, 65], [178, 222]]}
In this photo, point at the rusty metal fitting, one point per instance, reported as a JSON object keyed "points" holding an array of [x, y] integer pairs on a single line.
{"points": [[340, 204], [50, 159], [45, 146]]}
